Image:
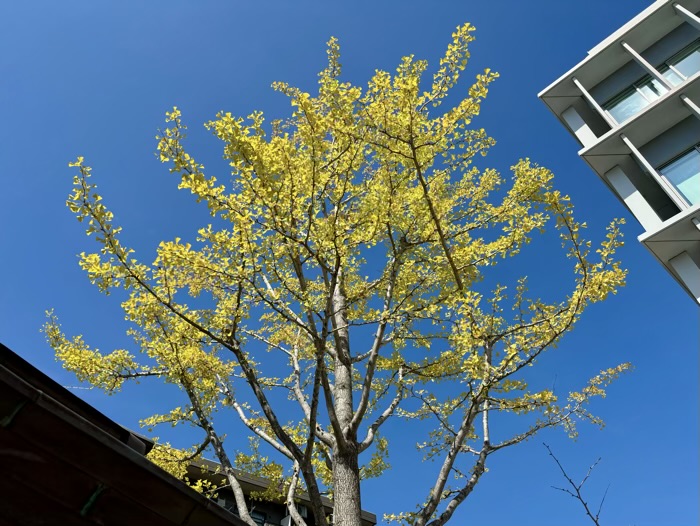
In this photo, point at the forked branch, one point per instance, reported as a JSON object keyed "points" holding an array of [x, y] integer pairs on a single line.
{"points": [[576, 492]]}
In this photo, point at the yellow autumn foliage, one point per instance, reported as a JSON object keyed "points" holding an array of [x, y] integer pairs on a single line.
{"points": [[348, 265]]}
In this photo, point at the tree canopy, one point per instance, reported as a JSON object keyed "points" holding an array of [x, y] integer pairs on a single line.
{"points": [[346, 265]]}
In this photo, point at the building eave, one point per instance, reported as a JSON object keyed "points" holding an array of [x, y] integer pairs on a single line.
{"points": [[66, 463], [608, 56]]}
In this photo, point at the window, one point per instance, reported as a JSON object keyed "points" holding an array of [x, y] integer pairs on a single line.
{"points": [[687, 62], [684, 174], [228, 504], [646, 90], [259, 517], [673, 77], [632, 100]]}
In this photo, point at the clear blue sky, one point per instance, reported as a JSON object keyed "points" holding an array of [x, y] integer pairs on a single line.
{"points": [[95, 78]]}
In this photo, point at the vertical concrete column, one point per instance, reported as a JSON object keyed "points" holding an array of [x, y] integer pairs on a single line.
{"points": [[633, 198], [687, 15], [691, 105], [578, 126], [688, 272], [594, 103], [663, 183], [648, 67]]}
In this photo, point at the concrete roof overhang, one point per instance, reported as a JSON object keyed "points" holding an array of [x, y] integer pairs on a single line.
{"points": [[676, 235]]}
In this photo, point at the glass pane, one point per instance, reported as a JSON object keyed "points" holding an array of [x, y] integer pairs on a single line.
{"points": [[684, 174], [672, 77], [627, 105], [259, 517], [690, 64], [652, 89]]}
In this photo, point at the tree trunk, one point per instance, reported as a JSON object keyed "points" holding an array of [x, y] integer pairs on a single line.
{"points": [[346, 470], [346, 488]]}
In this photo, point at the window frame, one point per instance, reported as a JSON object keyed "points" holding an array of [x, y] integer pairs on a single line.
{"points": [[667, 65], [683, 53], [696, 148], [634, 88]]}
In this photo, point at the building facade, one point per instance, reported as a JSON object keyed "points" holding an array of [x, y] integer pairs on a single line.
{"points": [[634, 106]]}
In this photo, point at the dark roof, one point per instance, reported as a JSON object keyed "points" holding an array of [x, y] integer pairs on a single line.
{"points": [[63, 462]]}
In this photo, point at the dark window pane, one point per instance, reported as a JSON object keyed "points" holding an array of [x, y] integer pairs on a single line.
{"points": [[259, 517]]}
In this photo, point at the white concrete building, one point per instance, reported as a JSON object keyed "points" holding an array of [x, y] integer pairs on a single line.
{"points": [[634, 105]]}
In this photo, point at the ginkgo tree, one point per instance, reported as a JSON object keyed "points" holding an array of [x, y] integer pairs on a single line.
{"points": [[352, 262]]}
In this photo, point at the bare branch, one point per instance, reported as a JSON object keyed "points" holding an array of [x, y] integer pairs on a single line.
{"points": [[291, 505], [576, 493], [383, 417], [376, 345], [250, 425]]}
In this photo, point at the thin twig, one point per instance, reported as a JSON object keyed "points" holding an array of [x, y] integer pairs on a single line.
{"points": [[577, 487]]}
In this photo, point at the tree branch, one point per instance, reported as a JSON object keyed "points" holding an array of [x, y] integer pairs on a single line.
{"points": [[576, 493]]}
